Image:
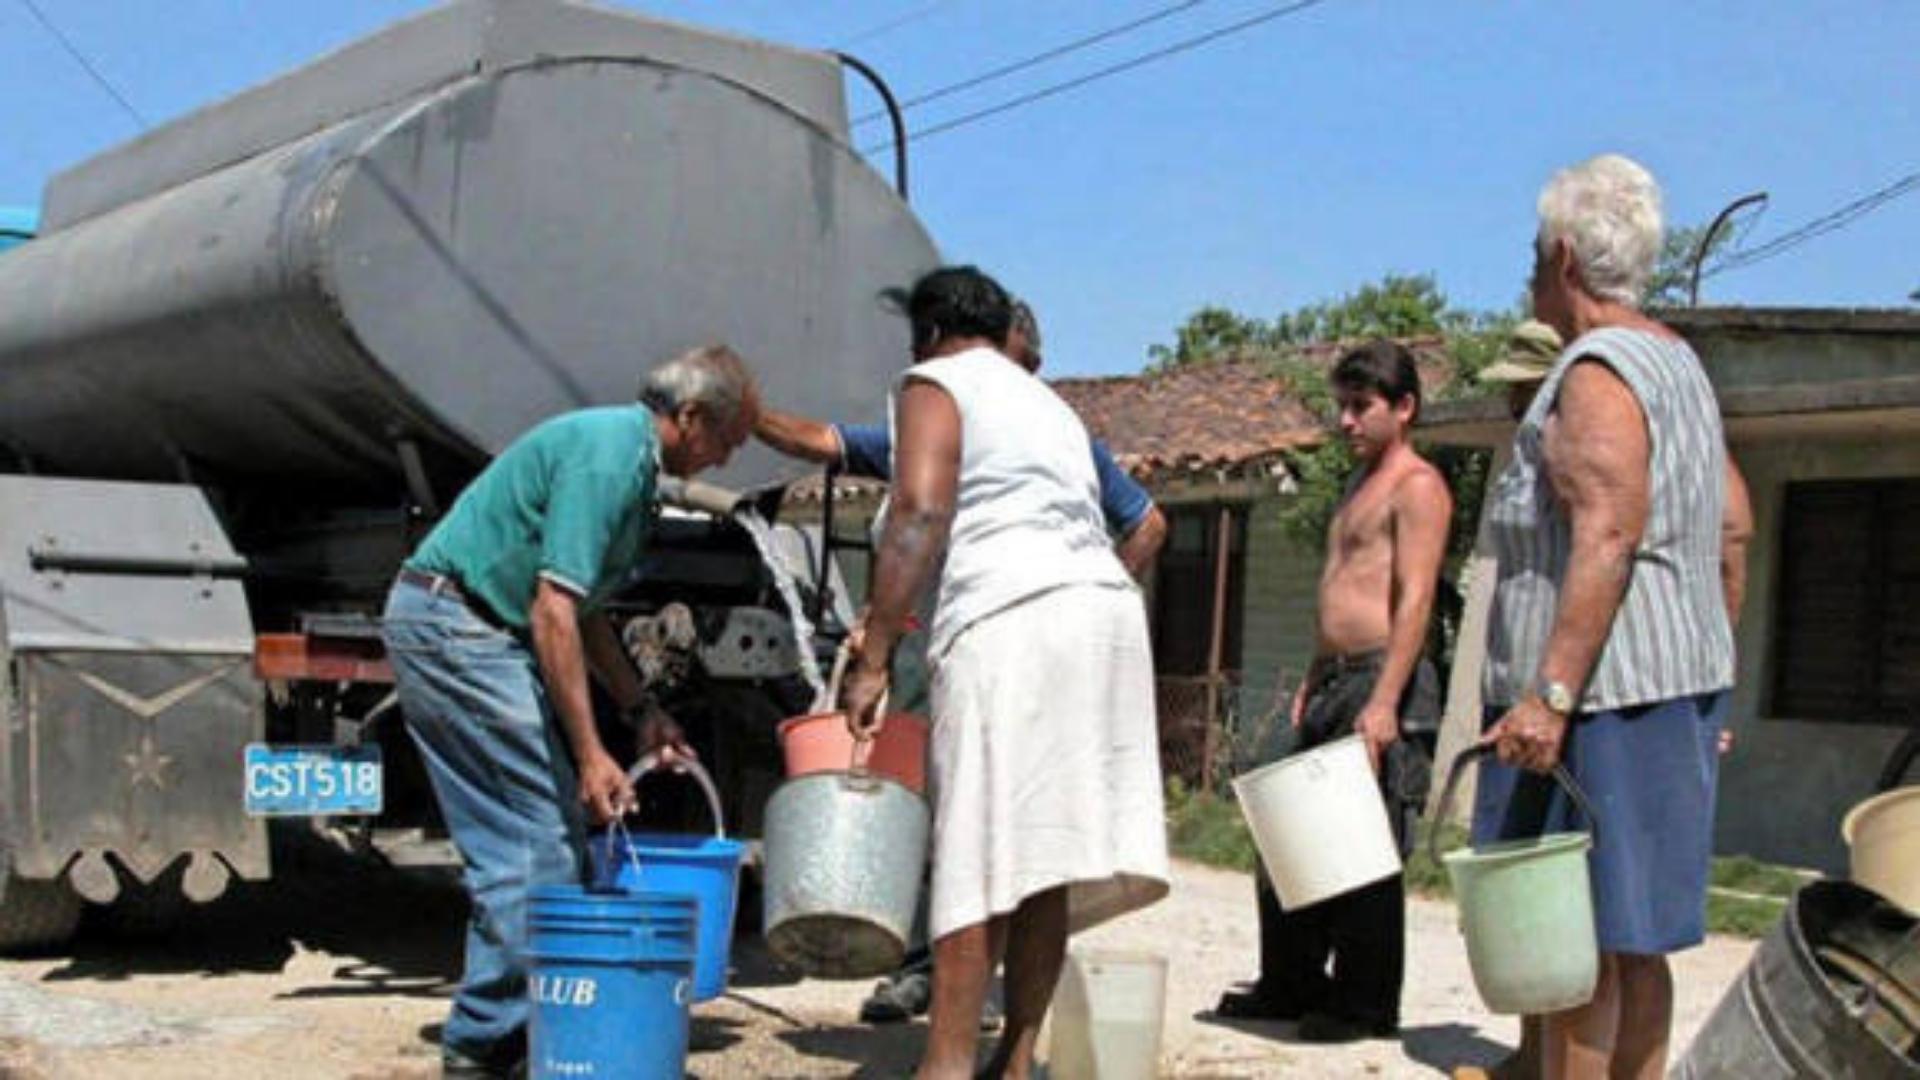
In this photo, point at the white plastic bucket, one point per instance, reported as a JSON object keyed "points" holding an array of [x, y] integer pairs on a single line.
{"points": [[1884, 833], [1108, 1014], [1319, 822]]}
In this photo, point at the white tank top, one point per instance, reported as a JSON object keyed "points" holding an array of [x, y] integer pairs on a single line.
{"points": [[1027, 516]]}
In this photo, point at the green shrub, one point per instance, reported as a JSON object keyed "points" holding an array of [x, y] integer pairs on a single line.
{"points": [[1208, 829]]}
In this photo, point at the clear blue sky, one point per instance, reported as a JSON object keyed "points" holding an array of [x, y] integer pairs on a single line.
{"points": [[1280, 166]]}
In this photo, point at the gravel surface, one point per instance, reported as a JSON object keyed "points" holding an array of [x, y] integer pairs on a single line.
{"points": [[340, 971]]}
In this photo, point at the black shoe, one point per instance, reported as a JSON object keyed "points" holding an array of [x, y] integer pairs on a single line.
{"points": [[1319, 1027], [898, 999], [1254, 1005], [455, 1065]]}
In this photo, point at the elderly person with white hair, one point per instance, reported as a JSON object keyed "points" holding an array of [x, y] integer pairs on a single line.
{"points": [[493, 625], [1609, 645]]}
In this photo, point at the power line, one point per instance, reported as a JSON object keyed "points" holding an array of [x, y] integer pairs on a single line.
{"points": [[81, 59], [893, 24], [1038, 58], [1105, 72], [1820, 226]]}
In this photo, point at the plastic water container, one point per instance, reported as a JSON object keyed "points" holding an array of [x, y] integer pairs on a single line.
{"points": [[612, 980], [1319, 822], [706, 868], [1108, 1015]]}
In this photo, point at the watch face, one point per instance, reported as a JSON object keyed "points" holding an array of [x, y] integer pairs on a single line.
{"points": [[1558, 698]]}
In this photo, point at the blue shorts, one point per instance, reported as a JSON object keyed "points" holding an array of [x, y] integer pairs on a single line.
{"points": [[1650, 772]]}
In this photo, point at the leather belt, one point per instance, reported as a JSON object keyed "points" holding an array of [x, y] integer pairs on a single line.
{"points": [[442, 585]]}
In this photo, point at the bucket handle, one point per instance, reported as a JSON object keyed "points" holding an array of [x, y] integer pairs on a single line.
{"points": [[651, 761], [1475, 753]]}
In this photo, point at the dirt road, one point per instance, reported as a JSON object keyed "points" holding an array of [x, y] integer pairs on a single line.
{"points": [[340, 971]]}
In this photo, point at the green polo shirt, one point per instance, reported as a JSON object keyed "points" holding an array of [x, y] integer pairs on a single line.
{"points": [[571, 501]]}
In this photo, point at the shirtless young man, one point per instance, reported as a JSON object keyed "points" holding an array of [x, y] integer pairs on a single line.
{"points": [[1376, 593]]}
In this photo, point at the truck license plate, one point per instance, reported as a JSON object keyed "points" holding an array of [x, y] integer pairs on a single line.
{"points": [[300, 781]]}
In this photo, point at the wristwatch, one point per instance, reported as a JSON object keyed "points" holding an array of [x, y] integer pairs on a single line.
{"points": [[1557, 697]]}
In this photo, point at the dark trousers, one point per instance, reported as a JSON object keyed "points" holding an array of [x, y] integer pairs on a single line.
{"points": [[1362, 933], [1347, 955]]}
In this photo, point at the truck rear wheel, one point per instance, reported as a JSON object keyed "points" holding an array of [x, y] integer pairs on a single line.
{"points": [[36, 916]]}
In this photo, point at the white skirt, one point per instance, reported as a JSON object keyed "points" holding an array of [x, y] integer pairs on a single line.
{"points": [[1045, 762]]}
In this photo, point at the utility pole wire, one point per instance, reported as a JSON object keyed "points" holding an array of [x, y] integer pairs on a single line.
{"points": [[1105, 72], [1037, 59], [1820, 226], [893, 24], [81, 59]]}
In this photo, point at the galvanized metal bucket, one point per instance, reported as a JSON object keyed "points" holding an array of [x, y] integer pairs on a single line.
{"points": [[844, 855]]}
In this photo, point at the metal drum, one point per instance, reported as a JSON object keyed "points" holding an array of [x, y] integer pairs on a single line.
{"points": [[844, 855]]}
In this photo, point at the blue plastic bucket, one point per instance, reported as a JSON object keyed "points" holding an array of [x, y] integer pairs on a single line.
{"points": [[612, 979], [706, 868]]}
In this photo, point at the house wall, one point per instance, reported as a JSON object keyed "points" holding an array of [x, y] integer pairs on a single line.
{"points": [[1277, 621], [1790, 780]]}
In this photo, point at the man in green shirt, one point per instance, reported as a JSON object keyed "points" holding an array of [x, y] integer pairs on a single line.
{"points": [[492, 627]]}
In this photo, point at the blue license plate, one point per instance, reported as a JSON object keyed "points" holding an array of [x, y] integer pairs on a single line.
{"points": [[286, 781]]}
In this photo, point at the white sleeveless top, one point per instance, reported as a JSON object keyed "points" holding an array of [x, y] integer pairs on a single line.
{"points": [[1027, 516]]}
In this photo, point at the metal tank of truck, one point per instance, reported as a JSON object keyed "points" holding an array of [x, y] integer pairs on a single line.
{"points": [[252, 354]]}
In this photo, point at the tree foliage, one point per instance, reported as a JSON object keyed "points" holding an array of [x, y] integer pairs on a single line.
{"points": [[1673, 271], [1397, 306]]}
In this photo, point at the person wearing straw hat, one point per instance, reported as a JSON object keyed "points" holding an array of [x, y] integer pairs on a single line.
{"points": [[1532, 347], [1044, 763]]}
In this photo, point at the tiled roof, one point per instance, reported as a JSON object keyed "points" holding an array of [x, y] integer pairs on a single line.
{"points": [[1196, 417], [1228, 415]]}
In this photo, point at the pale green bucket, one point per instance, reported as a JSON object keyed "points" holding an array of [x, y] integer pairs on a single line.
{"points": [[1526, 908]]}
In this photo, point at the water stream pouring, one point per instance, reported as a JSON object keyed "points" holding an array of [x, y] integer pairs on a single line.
{"points": [[724, 503], [762, 534]]}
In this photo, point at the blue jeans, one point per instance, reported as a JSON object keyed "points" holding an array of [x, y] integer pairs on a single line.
{"points": [[477, 708]]}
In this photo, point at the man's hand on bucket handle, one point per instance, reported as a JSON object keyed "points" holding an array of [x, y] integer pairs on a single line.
{"points": [[604, 787]]}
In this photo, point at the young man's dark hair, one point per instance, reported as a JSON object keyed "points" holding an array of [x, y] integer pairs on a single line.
{"points": [[957, 302], [1382, 366]]}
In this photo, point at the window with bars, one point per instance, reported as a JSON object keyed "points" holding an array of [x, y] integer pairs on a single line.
{"points": [[1846, 644]]}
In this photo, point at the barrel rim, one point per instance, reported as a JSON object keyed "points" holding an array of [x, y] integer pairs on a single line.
{"points": [[1850, 825]]}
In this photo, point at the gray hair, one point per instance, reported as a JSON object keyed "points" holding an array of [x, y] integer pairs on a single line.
{"points": [[1607, 210], [712, 378]]}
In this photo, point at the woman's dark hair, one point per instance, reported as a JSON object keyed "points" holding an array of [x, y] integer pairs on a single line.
{"points": [[1382, 366], [957, 302]]}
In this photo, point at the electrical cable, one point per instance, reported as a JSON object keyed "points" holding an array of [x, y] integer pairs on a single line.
{"points": [[81, 59], [892, 24], [1185, 45], [1829, 222], [1036, 59]]}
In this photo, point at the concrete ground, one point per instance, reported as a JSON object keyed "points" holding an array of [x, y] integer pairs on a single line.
{"points": [[341, 971]]}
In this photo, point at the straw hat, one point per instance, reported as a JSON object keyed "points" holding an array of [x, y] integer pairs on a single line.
{"points": [[1531, 350]]}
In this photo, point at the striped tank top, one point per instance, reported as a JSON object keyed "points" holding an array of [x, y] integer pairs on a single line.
{"points": [[1670, 638]]}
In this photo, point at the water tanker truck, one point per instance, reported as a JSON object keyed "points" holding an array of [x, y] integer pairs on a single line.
{"points": [[251, 355]]}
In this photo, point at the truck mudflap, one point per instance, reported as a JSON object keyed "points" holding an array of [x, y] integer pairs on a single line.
{"points": [[130, 690]]}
